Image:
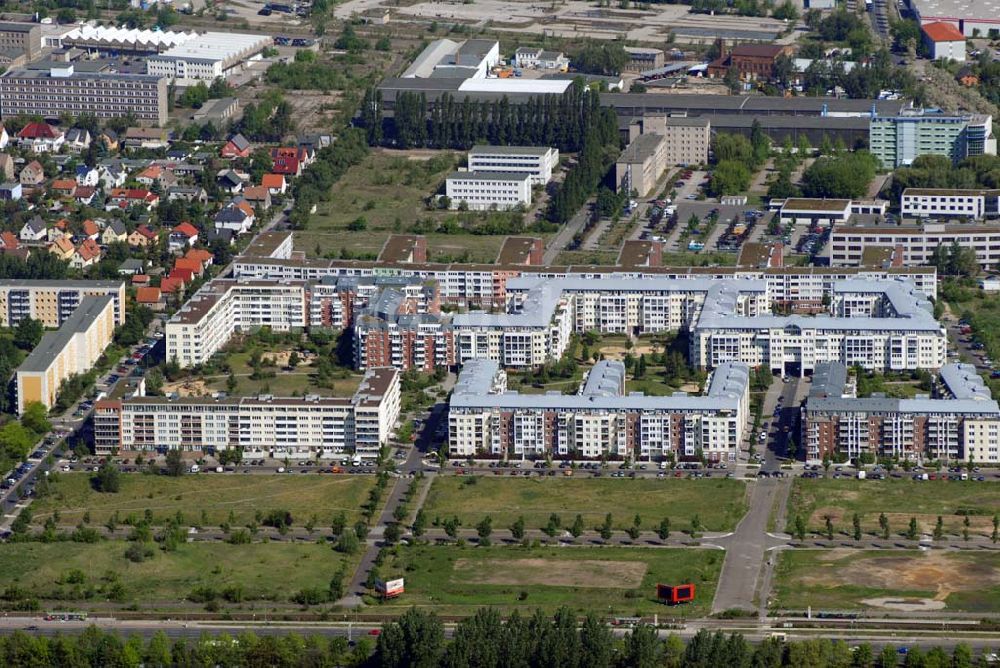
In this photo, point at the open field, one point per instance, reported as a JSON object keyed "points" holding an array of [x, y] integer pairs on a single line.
{"points": [[264, 571], [216, 495], [615, 581], [719, 503], [440, 247], [847, 579], [899, 500]]}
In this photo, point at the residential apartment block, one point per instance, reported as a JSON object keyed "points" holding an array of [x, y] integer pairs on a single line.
{"points": [[688, 140], [601, 420], [949, 203], [72, 349], [959, 422], [298, 428], [26, 37], [60, 90], [897, 140], [485, 191], [53, 302], [641, 164], [536, 161], [916, 242]]}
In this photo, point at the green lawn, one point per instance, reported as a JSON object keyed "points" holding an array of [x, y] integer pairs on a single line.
{"points": [[216, 495], [608, 580], [845, 579], [264, 571], [285, 384], [440, 247], [719, 503], [899, 500]]}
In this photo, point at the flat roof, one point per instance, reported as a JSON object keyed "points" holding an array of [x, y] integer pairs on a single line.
{"points": [[26, 73], [266, 243], [46, 284], [398, 248], [8, 26], [809, 204], [636, 252], [516, 250], [948, 192], [754, 254], [488, 176], [969, 10], [509, 150], [53, 343], [642, 148]]}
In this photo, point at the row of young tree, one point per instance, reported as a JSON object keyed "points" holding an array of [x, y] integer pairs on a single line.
{"points": [[482, 641], [564, 121]]}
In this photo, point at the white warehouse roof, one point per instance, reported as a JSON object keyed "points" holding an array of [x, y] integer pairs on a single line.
{"points": [[112, 35], [539, 86], [218, 46]]}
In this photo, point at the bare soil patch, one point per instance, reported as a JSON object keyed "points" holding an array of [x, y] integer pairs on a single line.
{"points": [[555, 573], [190, 387]]}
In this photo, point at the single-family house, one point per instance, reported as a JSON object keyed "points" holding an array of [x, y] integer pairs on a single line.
{"points": [[201, 256], [62, 248], [286, 161], [185, 275], [40, 137], [125, 198], [258, 196], [171, 286], [150, 297], [187, 193], [33, 230], [85, 194], [8, 241], [109, 138], [32, 174], [150, 175], [90, 230], [63, 187], [147, 138], [114, 232], [275, 183], [142, 237], [58, 229], [182, 236], [86, 254], [132, 267], [224, 235], [229, 181], [86, 176], [78, 139], [236, 147], [236, 216], [6, 167], [112, 176], [140, 279], [11, 191], [189, 265]]}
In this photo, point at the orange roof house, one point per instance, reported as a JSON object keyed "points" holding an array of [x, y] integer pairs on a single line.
{"points": [[192, 265], [171, 285], [275, 183], [62, 248], [200, 255], [185, 275], [65, 187], [90, 229], [149, 295]]}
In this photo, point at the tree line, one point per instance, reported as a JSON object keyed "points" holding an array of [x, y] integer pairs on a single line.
{"points": [[485, 640]]}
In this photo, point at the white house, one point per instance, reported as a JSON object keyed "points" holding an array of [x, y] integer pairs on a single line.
{"points": [[944, 40], [87, 176], [483, 191], [33, 230], [536, 161], [112, 176]]}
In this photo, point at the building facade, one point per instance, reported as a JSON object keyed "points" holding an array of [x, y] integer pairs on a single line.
{"points": [[536, 161], [207, 57], [897, 140], [949, 203], [53, 302], [486, 191], [61, 90], [72, 349], [601, 420], [641, 164], [26, 37], [916, 242], [298, 428]]}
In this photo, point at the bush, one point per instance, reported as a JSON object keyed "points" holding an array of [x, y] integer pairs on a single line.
{"points": [[138, 553], [310, 596], [202, 595]]}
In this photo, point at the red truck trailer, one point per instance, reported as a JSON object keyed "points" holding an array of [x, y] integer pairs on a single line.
{"points": [[675, 595]]}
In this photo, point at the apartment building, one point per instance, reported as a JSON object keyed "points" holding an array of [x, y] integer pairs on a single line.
{"points": [[959, 422], [53, 302], [60, 90], [265, 426], [949, 203], [485, 285], [486, 191], [536, 161], [885, 326], [897, 140], [24, 37], [688, 140], [601, 420], [916, 242], [72, 349], [641, 164]]}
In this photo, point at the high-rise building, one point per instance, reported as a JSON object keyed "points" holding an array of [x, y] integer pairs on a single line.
{"points": [[899, 139]]}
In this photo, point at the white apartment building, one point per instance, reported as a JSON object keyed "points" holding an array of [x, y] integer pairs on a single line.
{"points": [[486, 191], [949, 203], [602, 420], [536, 161], [263, 426], [898, 333], [918, 242]]}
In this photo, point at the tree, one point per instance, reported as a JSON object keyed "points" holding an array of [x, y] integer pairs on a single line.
{"points": [[939, 528], [799, 528], [106, 479], [856, 521], [293, 359], [35, 418], [596, 643], [829, 527], [576, 530], [729, 178], [840, 176], [392, 533], [664, 531], [415, 640], [339, 523], [16, 440], [883, 522], [175, 463], [995, 536], [606, 528], [28, 333], [484, 530], [642, 648], [695, 525], [911, 531], [347, 542], [517, 528], [419, 524]]}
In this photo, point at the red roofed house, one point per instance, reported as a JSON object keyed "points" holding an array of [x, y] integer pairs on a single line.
{"points": [[140, 279], [236, 147], [150, 297], [142, 237], [169, 286], [63, 187], [125, 198], [190, 265], [85, 194], [258, 196], [286, 161], [944, 40], [185, 275], [8, 241], [62, 248], [85, 255], [275, 183], [40, 137], [91, 230], [201, 256], [182, 236]]}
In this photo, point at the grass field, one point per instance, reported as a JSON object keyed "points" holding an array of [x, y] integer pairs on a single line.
{"points": [[440, 247], [848, 579], [269, 571], [615, 581], [216, 495], [718, 503], [899, 500]]}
